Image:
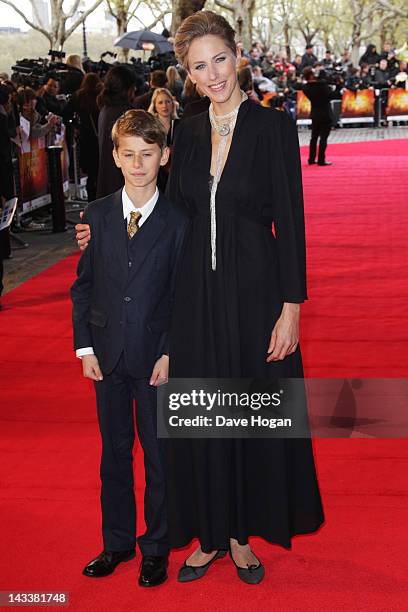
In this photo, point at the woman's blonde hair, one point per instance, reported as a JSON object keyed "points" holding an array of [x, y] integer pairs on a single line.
{"points": [[172, 76], [75, 61], [201, 24], [156, 93]]}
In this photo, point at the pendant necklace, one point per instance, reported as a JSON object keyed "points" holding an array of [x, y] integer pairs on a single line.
{"points": [[223, 125]]}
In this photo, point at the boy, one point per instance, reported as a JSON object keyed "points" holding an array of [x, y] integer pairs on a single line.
{"points": [[122, 302]]}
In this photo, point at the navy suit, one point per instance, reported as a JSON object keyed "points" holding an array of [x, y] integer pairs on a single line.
{"points": [[122, 302]]}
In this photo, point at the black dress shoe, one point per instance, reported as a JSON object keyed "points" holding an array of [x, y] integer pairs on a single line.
{"points": [[324, 163], [106, 563], [188, 573], [311, 162], [153, 570], [253, 574]]}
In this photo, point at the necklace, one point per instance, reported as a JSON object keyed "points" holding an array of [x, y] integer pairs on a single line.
{"points": [[223, 125]]}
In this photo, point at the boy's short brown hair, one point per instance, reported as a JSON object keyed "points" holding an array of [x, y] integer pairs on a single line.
{"points": [[139, 123]]}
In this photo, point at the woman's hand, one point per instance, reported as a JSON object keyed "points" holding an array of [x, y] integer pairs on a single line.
{"points": [[83, 234], [285, 334]]}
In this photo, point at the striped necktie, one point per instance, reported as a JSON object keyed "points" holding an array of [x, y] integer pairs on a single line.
{"points": [[133, 224]]}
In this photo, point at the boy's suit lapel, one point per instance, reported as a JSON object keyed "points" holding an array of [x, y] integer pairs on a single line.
{"points": [[147, 236]]}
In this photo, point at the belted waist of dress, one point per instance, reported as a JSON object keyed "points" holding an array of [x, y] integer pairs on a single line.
{"points": [[265, 220]]}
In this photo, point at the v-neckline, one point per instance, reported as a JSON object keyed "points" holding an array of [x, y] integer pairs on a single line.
{"points": [[243, 109]]}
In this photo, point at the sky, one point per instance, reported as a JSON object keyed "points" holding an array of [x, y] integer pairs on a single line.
{"points": [[9, 18]]}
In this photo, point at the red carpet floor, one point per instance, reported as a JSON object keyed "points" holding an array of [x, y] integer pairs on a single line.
{"points": [[355, 324]]}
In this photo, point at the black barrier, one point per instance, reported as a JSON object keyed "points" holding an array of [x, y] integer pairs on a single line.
{"points": [[56, 188]]}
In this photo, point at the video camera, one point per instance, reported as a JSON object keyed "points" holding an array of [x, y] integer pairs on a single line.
{"points": [[35, 72]]}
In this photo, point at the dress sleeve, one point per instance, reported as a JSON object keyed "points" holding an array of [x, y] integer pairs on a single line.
{"points": [[173, 191], [288, 210]]}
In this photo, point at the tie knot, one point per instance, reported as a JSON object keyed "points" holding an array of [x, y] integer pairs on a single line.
{"points": [[133, 223], [135, 216]]}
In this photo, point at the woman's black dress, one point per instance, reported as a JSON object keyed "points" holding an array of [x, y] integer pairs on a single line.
{"points": [[222, 324]]}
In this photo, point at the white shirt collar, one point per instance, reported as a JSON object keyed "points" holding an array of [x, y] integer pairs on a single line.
{"points": [[144, 210]]}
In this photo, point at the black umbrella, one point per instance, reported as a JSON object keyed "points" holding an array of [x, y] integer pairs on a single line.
{"points": [[136, 40]]}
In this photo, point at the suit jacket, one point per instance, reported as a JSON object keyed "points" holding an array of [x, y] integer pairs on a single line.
{"points": [[124, 292], [319, 94]]}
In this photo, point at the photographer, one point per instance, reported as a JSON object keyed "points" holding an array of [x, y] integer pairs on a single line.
{"points": [[27, 102], [51, 100], [319, 94]]}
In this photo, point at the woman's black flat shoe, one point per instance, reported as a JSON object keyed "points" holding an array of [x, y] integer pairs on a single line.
{"points": [[188, 573], [253, 574]]}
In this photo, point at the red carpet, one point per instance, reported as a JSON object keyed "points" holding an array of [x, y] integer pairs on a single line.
{"points": [[355, 324]]}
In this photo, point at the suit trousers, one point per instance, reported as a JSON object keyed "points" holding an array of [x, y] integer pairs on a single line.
{"points": [[115, 396], [320, 129]]}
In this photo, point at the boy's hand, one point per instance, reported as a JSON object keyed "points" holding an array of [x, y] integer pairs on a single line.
{"points": [[90, 367], [160, 372], [83, 234]]}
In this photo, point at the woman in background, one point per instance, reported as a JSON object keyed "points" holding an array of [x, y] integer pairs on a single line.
{"points": [[174, 83], [83, 105], [116, 97], [164, 107]]}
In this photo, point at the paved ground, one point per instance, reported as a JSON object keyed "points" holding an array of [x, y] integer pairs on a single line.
{"points": [[354, 134], [46, 248]]}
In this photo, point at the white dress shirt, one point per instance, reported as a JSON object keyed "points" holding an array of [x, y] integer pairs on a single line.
{"points": [[128, 207]]}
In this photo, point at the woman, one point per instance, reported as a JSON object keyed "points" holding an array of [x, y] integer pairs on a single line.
{"points": [[83, 104], [174, 83], [236, 311], [72, 79], [190, 93], [116, 97], [164, 107]]}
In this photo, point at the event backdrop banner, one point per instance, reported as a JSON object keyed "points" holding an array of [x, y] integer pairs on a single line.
{"points": [[33, 165], [357, 105], [397, 105], [33, 175], [303, 106]]}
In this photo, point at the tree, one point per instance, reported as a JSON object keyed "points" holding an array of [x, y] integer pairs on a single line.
{"points": [[366, 19], [242, 16], [58, 33], [183, 9]]}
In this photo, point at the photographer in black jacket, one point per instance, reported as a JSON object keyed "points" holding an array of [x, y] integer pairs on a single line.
{"points": [[319, 93]]}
